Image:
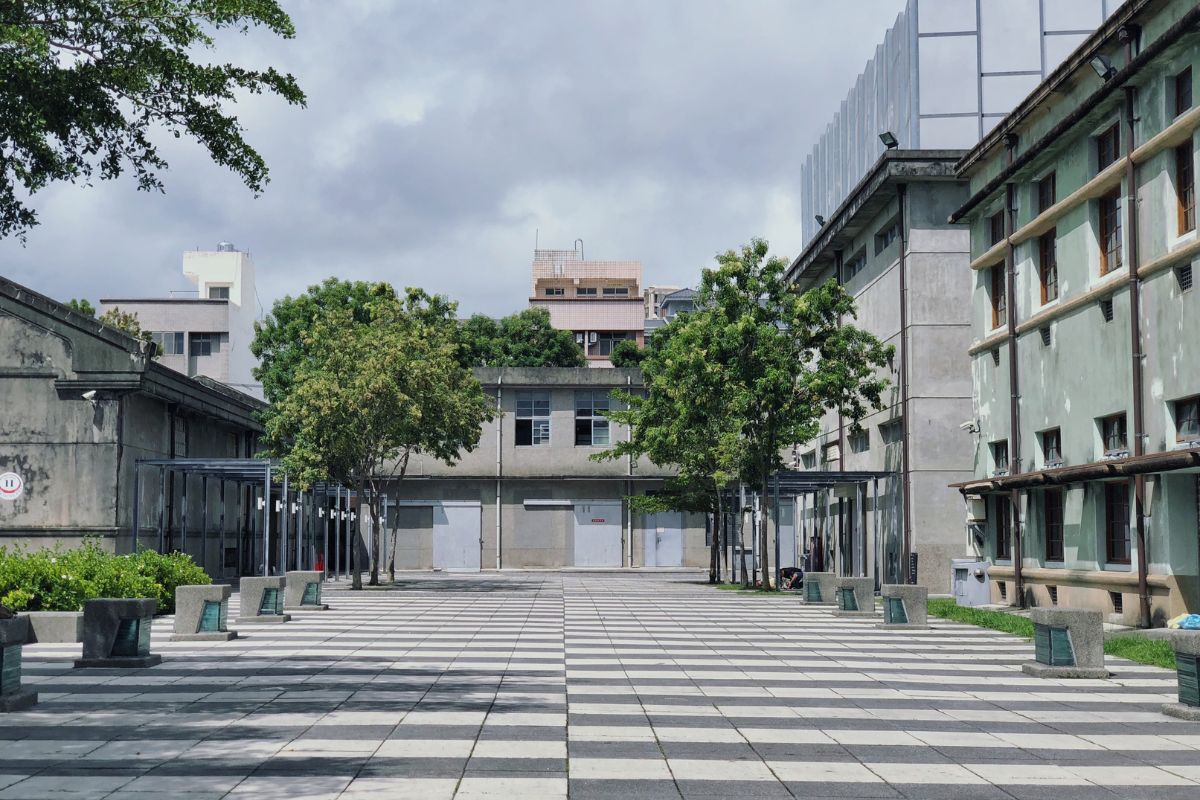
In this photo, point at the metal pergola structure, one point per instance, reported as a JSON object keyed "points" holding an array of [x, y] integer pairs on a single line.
{"points": [[277, 527]]}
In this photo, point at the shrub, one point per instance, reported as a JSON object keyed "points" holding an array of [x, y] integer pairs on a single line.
{"points": [[58, 579]]}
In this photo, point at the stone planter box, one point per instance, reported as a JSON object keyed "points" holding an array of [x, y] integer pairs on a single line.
{"points": [[1187, 668], [55, 627], [262, 600], [302, 592], [855, 597], [200, 614], [116, 633], [14, 633], [1067, 643], [905, 607], [819, 589]]}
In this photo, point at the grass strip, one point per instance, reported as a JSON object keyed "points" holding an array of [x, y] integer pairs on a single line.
{"points": [[1156, 652]]}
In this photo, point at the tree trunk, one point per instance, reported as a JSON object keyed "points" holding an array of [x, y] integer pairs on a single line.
{"points": [[714, 570], [352, 556], [742, 546], [376, 534], [768, 577]]}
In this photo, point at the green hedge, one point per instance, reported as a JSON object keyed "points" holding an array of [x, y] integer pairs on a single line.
{"points": [[61, 580]]}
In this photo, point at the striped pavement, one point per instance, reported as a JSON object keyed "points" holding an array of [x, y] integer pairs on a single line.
{"points": [[590, 685]]}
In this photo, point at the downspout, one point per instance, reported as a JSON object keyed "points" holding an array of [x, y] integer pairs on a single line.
{"points": [[1129, 35], [1014, 382], [499, 467], [905, 476]]}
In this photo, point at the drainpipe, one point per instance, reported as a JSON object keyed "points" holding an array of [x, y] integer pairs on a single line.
{"points": [[905, 431], [1014, 408], [499, 467], [1129, 35]]}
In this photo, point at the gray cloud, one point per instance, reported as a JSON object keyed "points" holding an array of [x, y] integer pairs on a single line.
{"points": [[440, 136]]}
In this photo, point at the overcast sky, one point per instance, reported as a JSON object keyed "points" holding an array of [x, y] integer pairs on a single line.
{"points": [[439, 137]]}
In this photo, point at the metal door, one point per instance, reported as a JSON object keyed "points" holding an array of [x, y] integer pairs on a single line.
{"points": [[598, 534], [662, 539], [456, 536]]}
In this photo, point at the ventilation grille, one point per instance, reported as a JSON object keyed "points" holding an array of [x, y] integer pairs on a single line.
{"points": [[1106, 309], [1003, 589], [1184, 276], [1118, 601], [996, 356], [1045, 332], [1053, 592]]}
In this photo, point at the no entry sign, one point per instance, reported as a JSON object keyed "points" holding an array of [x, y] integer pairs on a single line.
{"points": [[12, 486]]}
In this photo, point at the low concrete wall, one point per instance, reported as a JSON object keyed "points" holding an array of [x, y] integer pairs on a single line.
{"points": [[915, 602], [296, 586], [190, 605], [106, 621], [55, 627], [1085, 632], [864, 597], [252, 592]]}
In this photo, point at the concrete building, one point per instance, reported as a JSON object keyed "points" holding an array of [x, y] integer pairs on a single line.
{"points": [[945, 73], [599, 301], [83, 402], [206, 331], [669, 306], [1086, 323], [529, 496], [890, 246], [653, 297]]}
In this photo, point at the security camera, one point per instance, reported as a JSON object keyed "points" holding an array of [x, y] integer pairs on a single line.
{"points": [[90, 395], [968, 426]]}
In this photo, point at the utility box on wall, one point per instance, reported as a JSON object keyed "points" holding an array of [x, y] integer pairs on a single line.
{"points": [[969, 579]]}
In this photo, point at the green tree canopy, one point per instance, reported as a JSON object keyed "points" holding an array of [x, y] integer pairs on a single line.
{"points": [[627, 354], [524, 339], [126, 321], [82, 306], [87, 82]]}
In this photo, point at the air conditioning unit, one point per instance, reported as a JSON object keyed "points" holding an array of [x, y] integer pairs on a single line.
{"points": [[579, 338], [592, 337]]}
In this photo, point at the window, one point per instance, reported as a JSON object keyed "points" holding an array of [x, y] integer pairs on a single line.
{"points": [[1052, 523], [605, 341], [591, 427], [555, 291], [1116, 523], [1000, 457], [616, 290], [585, 291], [533, 419], [1109, 208], [1185, 187], [831, 452], [1048, 265], [1052, 447], [995, 225], [1001, 506], [170, 343], [809, 459], [204, 344], [1108, 144], [999, 306], [1183, 91], [1112, 429], [891, 432], [886, 235], [860, 441], [1187, 419], [854, 266], [1047, 191], [218, 293]]}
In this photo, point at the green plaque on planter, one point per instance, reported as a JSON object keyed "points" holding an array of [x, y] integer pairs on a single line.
{"points": [[10, 669], [846, 599], [272, 602], [893, 611], [312, 594], [812, 591], [212, 619], [1052, 646], [133, 638], [1188, 669]]}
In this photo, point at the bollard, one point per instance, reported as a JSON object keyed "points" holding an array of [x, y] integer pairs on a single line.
{"points": [[262, 600], [855, 597], [116, 633], [14, 633], [905, 607], [302, 592], [1187, 670], [201, 612], [1067, 643], [818, 589]]}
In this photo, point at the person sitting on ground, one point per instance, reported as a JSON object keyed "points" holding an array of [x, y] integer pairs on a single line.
{"points": [[793, 577]]}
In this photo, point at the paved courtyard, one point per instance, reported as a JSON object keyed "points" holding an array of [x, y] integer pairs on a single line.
{"points": [[590, 686]]}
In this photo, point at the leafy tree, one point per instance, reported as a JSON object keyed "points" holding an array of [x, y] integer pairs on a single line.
{"points": [[82, 306], [786, 357], [368, 395], [126, 321], [626, 353], [88, 82], [524, 339]]}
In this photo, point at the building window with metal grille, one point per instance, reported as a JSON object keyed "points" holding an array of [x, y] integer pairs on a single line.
{"points": [[1052, 523], [1108, 146], [1052, 448], [170, 343], [999, 296], [605, 341], [855, 265], [1002, 527], [1048, 265], [218, 293], [204, 344], [886, 235], [1182, 94], [1117, 547], [1187, 420], [555, 291], [1112, 430], [533, 419], [1109, 212], [1047, 192], [995, 227], [1000, 457], [585, 291], [591, 426], [1185, 187], [616, 291]]}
